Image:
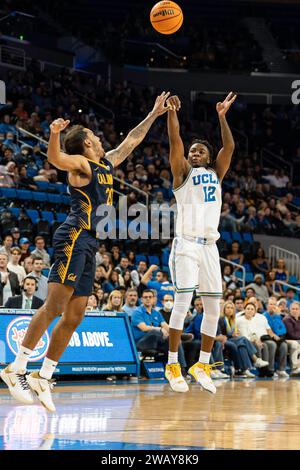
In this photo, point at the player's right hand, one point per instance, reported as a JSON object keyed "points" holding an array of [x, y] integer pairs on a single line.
{"points": [[58, 125], [174, 103]]}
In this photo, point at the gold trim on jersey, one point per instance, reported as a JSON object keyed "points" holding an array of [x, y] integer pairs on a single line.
{"points": [[68, 250], [100, 164], [87, 209]]}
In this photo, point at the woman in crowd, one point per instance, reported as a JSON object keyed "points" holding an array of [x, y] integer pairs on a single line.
{"points": [[235, 255], [230, 281], [114, 281], [260, 262], [239, 348], [92, 303], [115, 302], [100, 297]]}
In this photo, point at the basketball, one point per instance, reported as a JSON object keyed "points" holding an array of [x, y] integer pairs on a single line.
{"points": [[166, 17]]}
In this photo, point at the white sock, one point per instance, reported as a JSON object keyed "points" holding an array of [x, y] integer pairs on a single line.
{"points": [[22, 358], [204, 357], [172, 357], [47, 369]]}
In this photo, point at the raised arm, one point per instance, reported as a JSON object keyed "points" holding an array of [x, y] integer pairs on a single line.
{"points": [[179, 164], [136, 135], [224, 156], [59, 159]]}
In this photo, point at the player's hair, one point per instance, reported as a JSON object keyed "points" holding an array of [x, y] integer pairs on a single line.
{"points": [[73, 141], [207, 145]]}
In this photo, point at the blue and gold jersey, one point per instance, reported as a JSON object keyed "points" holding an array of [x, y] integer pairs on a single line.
{"points": [[86, 200]]}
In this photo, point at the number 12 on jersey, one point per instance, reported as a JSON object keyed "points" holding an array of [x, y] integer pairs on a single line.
{"points": [[209, 193]]}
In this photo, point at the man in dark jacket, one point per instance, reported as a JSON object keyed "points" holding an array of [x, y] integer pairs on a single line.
{"points": [[292, 324], [27, 299], [9, 282]]}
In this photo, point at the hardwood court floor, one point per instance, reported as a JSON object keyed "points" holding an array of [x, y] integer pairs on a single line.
{"points": [[245, 414]]}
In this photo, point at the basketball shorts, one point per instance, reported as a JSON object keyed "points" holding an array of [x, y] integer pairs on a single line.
{"points": [[75, 263], [195, 266]]}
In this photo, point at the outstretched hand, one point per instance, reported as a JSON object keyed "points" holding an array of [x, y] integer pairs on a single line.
{"points": [[59, 125], [223, 107], [160, 107], [174, 103]]}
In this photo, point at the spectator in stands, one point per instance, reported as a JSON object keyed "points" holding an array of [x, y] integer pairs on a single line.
{"points": [[160, 285], [131, 260], [249, 293], [9, 283], [92, 303], [40, 250], [24, 246], [114, 281], [167, 302], [98, 279], [260, 290], [260, 262], [99, 255], [14, 265], [100, 296], [27, 300], [253, 326], [272, 288], [278, 327], [246, 350], [131, 300], [290, 296], [150, 330], [37, 268], [239, 304], [230, 281], [26, 182], [128, 282], [27, 263], [123, 265], [116, 255], [107, 264], [115, 302], [138, 273], [7, 175], [15, 232], [7, 245], [235, 255], [292, 324], [283, 308], [281, 273], [46, 173]]}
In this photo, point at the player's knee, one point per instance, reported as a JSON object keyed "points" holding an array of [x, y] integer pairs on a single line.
{"points": [[74, 320], [54, 308]]}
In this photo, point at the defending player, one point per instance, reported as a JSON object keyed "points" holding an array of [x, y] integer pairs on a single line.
{"points": [[75, 244], [194, 259]]}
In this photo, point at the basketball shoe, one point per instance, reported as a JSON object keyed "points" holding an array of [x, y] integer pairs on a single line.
{"points": [[174, 376], [202, 375], [17, 385], [42, 388]]}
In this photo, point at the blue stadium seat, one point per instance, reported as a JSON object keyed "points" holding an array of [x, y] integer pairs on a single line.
{"points": [[24, 195], [45, 272], [39, 196], [249, 277], [54, 198], [293, 279], [50, 251], [66, 200], [139, 258], [296, 201], [154, 260], [166, 269], [236, 236], [165, 256], [33, 214], [9, 193], [15, 211], [226, 236], [61, 217], [31, 248], [248, 237], [47, 215], [42, 185]]}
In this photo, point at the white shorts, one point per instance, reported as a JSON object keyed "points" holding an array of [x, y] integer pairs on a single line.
{"points": [[195, 266]]}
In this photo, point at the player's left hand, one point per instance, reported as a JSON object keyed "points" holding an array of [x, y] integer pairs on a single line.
{"points": [[223, 107], [159, 107]]}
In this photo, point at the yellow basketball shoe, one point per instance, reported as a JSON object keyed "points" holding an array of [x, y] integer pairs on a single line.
{"points": [[174, 376], [202, 374]]}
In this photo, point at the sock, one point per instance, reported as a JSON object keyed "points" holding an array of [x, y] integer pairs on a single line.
{"points": [[172, 357], [22, 358], [47, 369], [204, 357]]}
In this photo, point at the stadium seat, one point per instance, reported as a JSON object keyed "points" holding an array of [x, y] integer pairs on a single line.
{"points": [[66, 200], [24, 194], [248, 237], [39, 196], [15, 211], [54, 198], [293, 280], [153, 259], [26, 228], [236, 237], [165, 256], [43, 185], [33, 214], [61, 217], [139, 258], [8, 193], [249, 278], [43, 227], [50, 251], [45, 272], [47, 215], [226, 236]]}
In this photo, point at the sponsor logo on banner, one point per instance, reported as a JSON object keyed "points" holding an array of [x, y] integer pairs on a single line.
{"points": [[15, 334]]}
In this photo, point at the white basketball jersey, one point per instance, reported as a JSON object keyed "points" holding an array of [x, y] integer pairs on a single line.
{"points": [[199, 201]]}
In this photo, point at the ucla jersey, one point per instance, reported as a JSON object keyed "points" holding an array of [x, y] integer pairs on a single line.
{"points": [[199, 201], [85, 200]]}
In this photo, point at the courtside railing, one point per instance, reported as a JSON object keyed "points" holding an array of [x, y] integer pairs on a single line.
{"points": [[236, 267]]}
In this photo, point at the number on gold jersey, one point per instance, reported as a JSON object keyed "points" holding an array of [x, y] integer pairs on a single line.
{"points": [[109, 192]]}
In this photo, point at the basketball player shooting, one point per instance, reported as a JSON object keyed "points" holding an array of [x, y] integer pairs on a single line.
{"points": [[75, 245], [194, 260]]}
